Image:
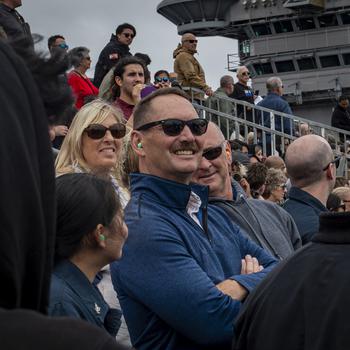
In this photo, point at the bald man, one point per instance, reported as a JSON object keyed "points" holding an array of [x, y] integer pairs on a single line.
{"points": [[311, 167], [264, 222], [189, 71]]}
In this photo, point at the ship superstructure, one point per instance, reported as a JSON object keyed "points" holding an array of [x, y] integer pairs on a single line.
{"points": [[305, 42]]}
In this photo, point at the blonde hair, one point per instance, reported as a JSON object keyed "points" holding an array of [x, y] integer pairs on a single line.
{"points": [[71, 153]]}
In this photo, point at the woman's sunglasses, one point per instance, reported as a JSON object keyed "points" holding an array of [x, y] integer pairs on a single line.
{"points": [[97, 131], [212, 153], [174, 127], [161, 80]]}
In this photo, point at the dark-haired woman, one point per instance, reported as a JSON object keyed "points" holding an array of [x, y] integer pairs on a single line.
{"points": [[90, 234]]}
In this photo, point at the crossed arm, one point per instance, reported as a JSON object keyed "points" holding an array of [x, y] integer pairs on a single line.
{"points": [[231, 287]]}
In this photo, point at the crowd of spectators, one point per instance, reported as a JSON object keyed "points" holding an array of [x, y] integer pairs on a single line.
{"points": [[146, 224]]}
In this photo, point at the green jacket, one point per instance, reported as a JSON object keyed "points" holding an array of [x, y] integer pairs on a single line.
{"points": [[221, 105]]}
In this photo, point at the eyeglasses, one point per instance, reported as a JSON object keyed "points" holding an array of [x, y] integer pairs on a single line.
{"points": [[88, 58], [246, 74], [97, 131], [161, 80], [128, 35], [192, 41], [213, 153], [335, 161], [63, 46], [174, 127]]}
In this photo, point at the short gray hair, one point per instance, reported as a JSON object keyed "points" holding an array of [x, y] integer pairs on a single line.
{"points": [[77, 54], [273, 83], [226, 80]]}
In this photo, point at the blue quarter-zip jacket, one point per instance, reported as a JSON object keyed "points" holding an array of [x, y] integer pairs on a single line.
{"points": [[166, 278]]}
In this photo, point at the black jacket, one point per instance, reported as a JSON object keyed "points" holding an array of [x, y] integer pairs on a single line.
{"points": [[27, 192], [13, 23], [243, 93], [28, 330], [341, 118], [304, 303], [109, 56]]}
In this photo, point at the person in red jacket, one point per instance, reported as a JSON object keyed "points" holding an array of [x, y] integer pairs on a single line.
{"points": [[84, 90]]}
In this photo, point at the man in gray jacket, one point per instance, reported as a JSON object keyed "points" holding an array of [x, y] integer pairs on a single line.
{"points": [[264, 222]]}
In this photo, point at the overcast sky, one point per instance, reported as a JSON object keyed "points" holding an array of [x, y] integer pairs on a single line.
{"points": [[90, 23]]}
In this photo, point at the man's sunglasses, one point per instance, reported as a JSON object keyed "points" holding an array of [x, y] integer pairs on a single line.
{"points": [[174, 127], [97, 131], [335, 161], [192, 41], [213, 153], [128, 35], [246, 73], [161, 80]]}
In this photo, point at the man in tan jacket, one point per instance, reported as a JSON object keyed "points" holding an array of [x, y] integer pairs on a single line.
{"points": [[189, 71]]}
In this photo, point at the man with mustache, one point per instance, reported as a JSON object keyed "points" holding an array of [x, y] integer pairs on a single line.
{"points": [[186, 267]]}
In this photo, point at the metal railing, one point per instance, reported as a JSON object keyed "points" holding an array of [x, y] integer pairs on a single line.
{"points": [[272, 130]]}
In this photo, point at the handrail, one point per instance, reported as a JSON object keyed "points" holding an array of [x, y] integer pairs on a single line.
{"points": [[239, 126]]}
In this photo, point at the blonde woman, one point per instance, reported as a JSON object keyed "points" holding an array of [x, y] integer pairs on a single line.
{"points": [[94, 144]]}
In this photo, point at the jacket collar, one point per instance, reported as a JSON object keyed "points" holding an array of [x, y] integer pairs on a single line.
{"points": [[166, 192], [76, 279], [237, 191], [299, 195], [6, 8], [115, 40], [334, 228], [272, 94]]}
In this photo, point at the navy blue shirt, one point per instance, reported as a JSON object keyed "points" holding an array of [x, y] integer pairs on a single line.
{"points": [[305, 209], [73, 295], [166, 279]]}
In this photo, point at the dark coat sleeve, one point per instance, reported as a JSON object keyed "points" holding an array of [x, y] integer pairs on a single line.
{"points": [[27, 200], [340, 120]]}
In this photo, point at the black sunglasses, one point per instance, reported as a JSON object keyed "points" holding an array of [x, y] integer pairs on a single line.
{"points": [[128, 35], [246, 73], [335, 161], [213, 153], [97, 131], [174, 127], [192, 41]]}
